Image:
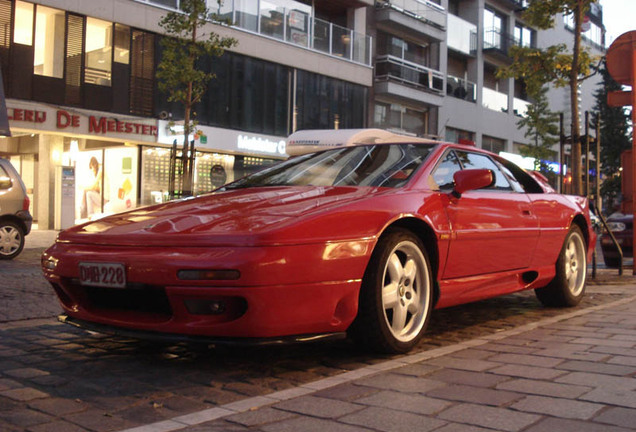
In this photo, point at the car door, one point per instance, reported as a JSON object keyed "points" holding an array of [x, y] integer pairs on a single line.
{"points": [[492, 229]]}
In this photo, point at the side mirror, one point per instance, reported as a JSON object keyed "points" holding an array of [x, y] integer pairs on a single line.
{"points": [[5, 183], [471, 179]]}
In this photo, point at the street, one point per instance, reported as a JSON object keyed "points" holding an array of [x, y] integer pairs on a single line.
{"points": [[57, 378]]}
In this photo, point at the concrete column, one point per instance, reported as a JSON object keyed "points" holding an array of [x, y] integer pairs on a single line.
{"points": [[50, 149]]}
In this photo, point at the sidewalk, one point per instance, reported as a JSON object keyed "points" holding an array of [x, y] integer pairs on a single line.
{"points": [[575, 372]]}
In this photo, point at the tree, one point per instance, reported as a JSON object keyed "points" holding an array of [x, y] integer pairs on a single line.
{"points": [[178, 73], [615, 139], [555, 65], [541, 126]]}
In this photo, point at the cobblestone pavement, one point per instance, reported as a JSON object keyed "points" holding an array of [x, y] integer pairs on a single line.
{"points": [[478, 366]]}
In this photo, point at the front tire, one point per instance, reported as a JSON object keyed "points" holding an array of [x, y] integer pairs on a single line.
{"points": [[568, 286], [11, 240], [396, 295]]}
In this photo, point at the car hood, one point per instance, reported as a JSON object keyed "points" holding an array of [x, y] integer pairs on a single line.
{"points": [[246, 217]]}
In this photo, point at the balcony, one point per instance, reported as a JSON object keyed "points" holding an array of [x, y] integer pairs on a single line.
{"points": [[412, 16], [461, 35], [494, 100], [520, 107], [293, 25], [461, 88], [391, 68], [497, 43]]}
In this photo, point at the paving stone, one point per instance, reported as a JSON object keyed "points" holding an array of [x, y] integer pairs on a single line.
{"points": [[391, 381], [598, 380], [543, 388], [347, 392], [524, 371], [8, 384], [260, 416], [23, 394], [558, 407], [318, 407], [24, 417], [99, 421], [529, 360], [310, 424], [464, 393], [602, 368], [473, 353], [457, 427], [389, 420], [25, 373], [612, 397], [563, 425], [624, 417], [463, 364], [613, 350], [622, 360], [418, 370], [414, 403], [489, 417], [478, 379], [57, 426], [605, 342], [505, 348], [58, 406]]}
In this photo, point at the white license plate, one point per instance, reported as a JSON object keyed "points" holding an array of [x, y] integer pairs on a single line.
{"points": [[109, 275]]}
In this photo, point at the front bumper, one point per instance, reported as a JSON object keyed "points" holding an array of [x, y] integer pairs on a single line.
{"points": [[282, 291]]}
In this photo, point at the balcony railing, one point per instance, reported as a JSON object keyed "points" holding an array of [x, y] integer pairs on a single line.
{"points": [[423, 10], [396, 69], [497, 40], [494, 100], [461, 88], [461, 35], [520, 107], [294, 25]]}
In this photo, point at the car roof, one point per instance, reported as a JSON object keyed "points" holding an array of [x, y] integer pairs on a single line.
{"points": [[313, 140]]}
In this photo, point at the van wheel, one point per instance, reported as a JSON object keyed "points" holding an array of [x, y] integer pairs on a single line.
{"points": [[568, 286], [11, 240], [396, 297]]}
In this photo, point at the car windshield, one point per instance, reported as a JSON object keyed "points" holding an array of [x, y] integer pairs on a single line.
{"points": [[381, 165]]}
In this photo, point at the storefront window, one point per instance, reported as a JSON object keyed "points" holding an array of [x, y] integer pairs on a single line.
{"points": [[49, 42], [98, 45], [105, 182], [23, 32]]}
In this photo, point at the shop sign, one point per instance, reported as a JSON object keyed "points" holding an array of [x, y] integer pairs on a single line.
{"points": [[219, 139], [82, 123]]}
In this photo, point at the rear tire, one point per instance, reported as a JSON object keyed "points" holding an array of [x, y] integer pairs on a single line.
{"points": [[11, 240], [568, 286], [396, 297]]}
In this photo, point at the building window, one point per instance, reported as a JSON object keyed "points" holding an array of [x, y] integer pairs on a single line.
{"points": [[459, 136], [122, 44], [404, 50], [98, 47], [23, 31], [524, 36], [49, 42], [494, 25], [492, 144], [400, 118]]}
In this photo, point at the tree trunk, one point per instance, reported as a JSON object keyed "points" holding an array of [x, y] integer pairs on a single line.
{"points": [[575, 151]]}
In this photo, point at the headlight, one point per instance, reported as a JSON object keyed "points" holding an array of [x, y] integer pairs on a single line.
{"points": [[616, 226]]}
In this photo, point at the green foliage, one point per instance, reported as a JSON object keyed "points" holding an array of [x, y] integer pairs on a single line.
{"points": [[178, 74], [615, 127], [541, 126], [553, 64], [538, 67]]}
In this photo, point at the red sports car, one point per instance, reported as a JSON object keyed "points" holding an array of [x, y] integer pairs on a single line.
{"points": [[363, 233]]}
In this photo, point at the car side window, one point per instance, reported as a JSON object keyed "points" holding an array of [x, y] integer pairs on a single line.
{"points": [[481, 161], [5, 180], [442, 176]]}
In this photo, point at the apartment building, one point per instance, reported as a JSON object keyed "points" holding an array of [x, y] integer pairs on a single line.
{"points": [[83, 103]]}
